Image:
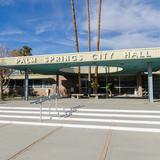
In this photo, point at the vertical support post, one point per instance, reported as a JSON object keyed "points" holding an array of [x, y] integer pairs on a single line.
{"points": [[26, 88], [79, 80], [57, 84], [150, 83], [119, 82], [96, 78], [106, 76], [139, 85], [89, 81]]}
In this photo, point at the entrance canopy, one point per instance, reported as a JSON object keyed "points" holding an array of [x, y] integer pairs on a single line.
{"points": [[126, 61]]}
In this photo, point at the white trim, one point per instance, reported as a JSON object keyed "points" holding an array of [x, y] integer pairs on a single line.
{"points": [[86, 110], [87, 114], [129, 129], [83, 119]]}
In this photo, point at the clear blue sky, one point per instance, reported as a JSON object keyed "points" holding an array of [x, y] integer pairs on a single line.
{"points": [[46, 25]]}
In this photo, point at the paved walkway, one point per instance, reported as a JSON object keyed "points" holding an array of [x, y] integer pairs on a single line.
{"points": [[114, 129]]}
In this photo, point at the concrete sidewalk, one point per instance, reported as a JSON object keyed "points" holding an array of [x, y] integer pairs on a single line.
{"points": [[36, 142]]}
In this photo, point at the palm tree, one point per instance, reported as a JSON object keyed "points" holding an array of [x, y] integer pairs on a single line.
{"points": [[76, 42], [26, 51], [89, 39], [98, 38]]}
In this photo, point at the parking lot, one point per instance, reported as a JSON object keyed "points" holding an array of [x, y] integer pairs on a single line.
{"points": [[114, 129]]}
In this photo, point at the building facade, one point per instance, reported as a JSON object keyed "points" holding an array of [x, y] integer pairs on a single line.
{"points": [[131, 71], [133, 85]]}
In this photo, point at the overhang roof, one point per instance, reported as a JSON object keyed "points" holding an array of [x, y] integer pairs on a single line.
{"points": [[131, 60]]}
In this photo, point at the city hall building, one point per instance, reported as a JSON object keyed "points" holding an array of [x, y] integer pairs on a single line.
{"points": [[133, 72]]}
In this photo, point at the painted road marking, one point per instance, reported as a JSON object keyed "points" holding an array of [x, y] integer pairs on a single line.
{"points": [[83, 119], [129, 129], [88, 114], [85, 110]]}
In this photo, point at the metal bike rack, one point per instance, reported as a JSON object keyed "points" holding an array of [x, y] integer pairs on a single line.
{"points": [[50, 99], [39, 101]]}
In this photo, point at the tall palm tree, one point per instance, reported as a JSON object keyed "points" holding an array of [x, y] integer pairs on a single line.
{"points": [[89, 38], [76, 42], [98, 38]]}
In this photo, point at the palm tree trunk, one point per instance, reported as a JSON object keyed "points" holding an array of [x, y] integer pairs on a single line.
{"points": [[98, 38], [89, 42], [99, 24], [76, 42]]}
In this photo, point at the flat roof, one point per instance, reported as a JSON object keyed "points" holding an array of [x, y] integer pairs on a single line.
{"points": [[130, 60]]}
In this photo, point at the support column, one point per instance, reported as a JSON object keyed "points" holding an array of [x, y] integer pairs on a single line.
{"points": [[26, 88], [89, 81], [57, 84], [119, 82], [150, 83], [95, 90], [79, 80], [139, 85]]}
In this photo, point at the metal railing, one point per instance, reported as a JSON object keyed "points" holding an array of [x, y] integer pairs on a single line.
{"points": [[41, 100], [51, 99]]}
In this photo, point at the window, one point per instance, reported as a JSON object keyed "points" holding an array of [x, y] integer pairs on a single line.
{"points": [[37, 83], [47, 83]]}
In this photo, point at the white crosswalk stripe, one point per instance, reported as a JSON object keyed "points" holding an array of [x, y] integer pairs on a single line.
{"points": [[123, 120]]}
